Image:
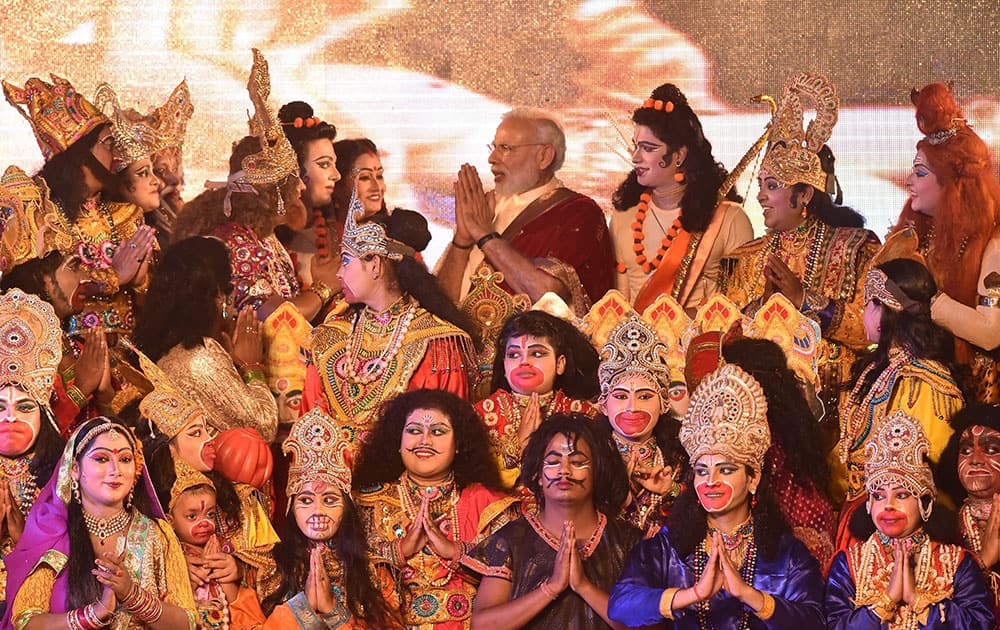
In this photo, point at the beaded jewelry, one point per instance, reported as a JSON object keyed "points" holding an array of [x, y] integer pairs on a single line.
{"points": [[104, 528], [639, 237], [356, 369]]}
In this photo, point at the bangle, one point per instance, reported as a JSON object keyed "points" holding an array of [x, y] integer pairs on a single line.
{"points": [[667, 603], [486, 239], [249, 376], [143, 605], [546, 591], [77, 396], [455, 244], [694, 587], [767, 609], [322, 291]]}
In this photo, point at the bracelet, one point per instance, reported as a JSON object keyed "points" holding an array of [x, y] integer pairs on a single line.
{"points": [[546, 591], [142, 605], [249, 376], [667, 603], [486, 239], [767, 610], [455, 244], [322, 291], [77, 396], [250, 367]]}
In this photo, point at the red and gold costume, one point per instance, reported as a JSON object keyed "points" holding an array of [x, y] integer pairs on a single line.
{"points": [[972, 518], [433, 592]]}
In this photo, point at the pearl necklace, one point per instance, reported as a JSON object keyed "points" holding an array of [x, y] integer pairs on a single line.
{"points": [[362, 372], [104, 528]]}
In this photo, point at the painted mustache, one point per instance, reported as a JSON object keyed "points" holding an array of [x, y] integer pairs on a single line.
{"points": [[554, 480]]}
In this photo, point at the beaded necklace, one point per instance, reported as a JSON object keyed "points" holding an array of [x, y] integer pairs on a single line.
{"points": [[360, 371], [639, 237], [94, 254], [743, 542], [794, 240], [970, 523], [319, 222], [444, 502]]}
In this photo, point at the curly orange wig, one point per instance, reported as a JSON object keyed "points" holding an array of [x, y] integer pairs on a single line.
{"points": [[967, 215]]}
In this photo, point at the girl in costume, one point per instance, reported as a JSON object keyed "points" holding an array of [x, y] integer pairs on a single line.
{"points": [[970, 468], [543, 365], [901, 577], [96, 551], [676, 216], [30, 444], [908, 371], [400, 331], [727, 559], [553, 568], [428, 490], [954, 209], [815, 252], [322, 577], [185, 327], [263, 191]]}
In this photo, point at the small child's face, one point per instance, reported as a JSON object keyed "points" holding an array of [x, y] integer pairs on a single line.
{"points": [[193, 516], [531, 364]]}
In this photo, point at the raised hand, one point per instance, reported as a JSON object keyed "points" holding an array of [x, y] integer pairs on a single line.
{"points": [[111, 571], [318, 592], [733, 581], [415, 537], [989, 555], [247, 341], [442, 545], [899, 561], [561, 571], [131, 259], [656, 479], [93, 361], [577, 578], [711, 579], [13, 520], [474, 209], [531, 419], [324, 269], [784, 280]]}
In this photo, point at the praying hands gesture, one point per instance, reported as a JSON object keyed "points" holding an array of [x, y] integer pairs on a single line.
{"points": [[901, 583], [474, 209], [131, 259], [779, 278], [424, 531], [531, 419], [318, 592], [112, 572], [11, 519], [989, 555]]}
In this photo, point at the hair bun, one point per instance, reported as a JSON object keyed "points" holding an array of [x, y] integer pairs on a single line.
{"points": [[409, 227], [295, 109], [669, 92], [936, 107]]}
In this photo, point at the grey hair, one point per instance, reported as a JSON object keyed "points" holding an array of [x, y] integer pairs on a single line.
{"points": [[547, 130]]}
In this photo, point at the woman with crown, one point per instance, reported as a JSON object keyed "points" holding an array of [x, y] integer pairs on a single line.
{"points": [[96, 552], [263, 191], [815, 251], [908, 371], [71, 196], [727, 559], [554, 566], [399, 332], [676, 214], [322, 577], [900, 576], [428, 489], [543, 365], [30, 443], [954, 209]]}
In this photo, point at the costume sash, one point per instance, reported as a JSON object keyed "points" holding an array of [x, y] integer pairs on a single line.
{"points": [[664, 279], [535, 209]]}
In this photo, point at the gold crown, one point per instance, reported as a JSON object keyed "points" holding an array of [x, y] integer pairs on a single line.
{"points": [[58, 114], [276, 159], [727, 416], [793, 151], [30, 344], [286, 332], [187, 477], [895, 457], [798, 335], [20, 222], [139, 136], [878, 286], [369, 237], [633, 349], [318, 453], [166, 406]]}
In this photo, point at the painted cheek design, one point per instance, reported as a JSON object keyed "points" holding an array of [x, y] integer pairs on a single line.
{"points": [[714, 497]]}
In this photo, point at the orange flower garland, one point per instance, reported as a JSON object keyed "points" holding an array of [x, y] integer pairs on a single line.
{"points": [[638, 237], [319, 222]]}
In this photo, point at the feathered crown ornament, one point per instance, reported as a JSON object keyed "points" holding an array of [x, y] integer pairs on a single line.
{"points": [[318, 453], [896, 458], [792, 155], [166, 406], [727, 416], [30, 344], [57, 113], [369, 237], [187, 477], [139, 136]]}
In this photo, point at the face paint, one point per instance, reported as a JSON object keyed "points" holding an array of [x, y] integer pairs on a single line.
{"points": [[721, 484], [427, 445], [895, 512], [20, 421], [193, 516], [633, 407], [319, 510], [531, 364], [979, 461], [566, 469]]}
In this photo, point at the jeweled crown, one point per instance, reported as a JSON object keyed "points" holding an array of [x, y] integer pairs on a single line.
{"points": [[187, 477], [896, 457], [318, 453], [369, 237], [633, 349], [166, 406], [30, 344], [276, 159], [58, 114], [138, 136], [727, 416], [793, 150]]}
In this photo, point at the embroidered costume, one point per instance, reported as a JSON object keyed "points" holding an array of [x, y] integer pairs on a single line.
{"points": [[972, 519], [433, 591]]}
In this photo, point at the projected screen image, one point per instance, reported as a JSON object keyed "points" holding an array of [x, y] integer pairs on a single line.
{"points": [[428, 80]]}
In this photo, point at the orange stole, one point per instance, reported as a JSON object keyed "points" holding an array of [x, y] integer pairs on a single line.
{"points": [[663, 279]]}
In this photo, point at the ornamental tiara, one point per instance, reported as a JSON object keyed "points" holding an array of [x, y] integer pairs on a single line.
{"points": [[634, 349], [793, 151], [187, 477], [139, 136], [896, 457], [370, 237], [878, 286], [318, 453], [30, 344], [276, 159], [57, 113], [727, 416], [166, 406]]}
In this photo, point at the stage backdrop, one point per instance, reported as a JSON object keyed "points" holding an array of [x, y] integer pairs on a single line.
{"points": [[428, 80]]}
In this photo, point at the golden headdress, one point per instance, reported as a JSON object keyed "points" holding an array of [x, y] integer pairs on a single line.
{"points": [[58, 114], [139, 136], [166, 406], [902, 244], [19, 223], [286, 333], [30, 344], [728, 416], [896, 457], [798, 335], [187, 477], [276, 159], [370, 237], [318, 453], [793, 150], [633, 349]]}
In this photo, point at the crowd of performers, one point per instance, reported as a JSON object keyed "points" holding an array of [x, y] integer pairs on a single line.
{"points": [[260, 409]]}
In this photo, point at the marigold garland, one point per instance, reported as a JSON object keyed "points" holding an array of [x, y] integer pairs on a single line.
{"points": [[638, 236]]}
